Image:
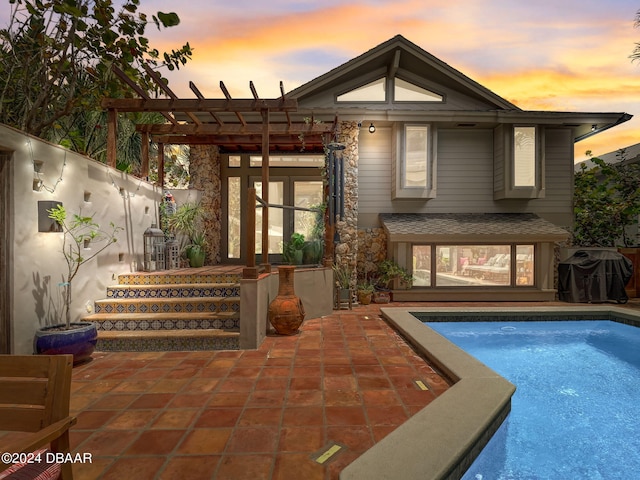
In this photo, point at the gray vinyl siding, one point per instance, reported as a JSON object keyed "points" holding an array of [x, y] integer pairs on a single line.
{"points": [[465, 177]]}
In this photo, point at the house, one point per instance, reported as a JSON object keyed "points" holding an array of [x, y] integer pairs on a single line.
{"points": [[458, 185]]}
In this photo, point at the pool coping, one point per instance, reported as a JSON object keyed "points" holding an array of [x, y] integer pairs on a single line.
{"points": [[444, 438]]}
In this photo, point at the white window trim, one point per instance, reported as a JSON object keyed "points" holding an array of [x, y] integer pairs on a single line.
{"points": [[398, 191]]}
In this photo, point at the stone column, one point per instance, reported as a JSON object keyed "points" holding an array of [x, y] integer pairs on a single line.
{"points": [[347, 248], [204, 169]]}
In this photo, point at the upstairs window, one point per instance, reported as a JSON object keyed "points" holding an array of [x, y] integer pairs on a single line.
{"points": [[518, 162], [414, 164]]}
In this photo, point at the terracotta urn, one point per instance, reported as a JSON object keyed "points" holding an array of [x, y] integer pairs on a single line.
{"points": [[286, 311]]}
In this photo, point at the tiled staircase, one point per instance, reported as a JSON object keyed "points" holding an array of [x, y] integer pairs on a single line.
{"points": [[190, 309]]}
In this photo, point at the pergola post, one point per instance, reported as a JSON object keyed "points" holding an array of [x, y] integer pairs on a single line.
{"points": [[144, 155], [265, 190], [112, 129], [161, 165]]}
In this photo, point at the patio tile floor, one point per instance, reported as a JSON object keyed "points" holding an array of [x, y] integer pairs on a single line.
{"points": [[346, 379]]}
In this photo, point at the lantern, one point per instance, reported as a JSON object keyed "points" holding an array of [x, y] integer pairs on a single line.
{"points": [[172, 254], [153, 249]]}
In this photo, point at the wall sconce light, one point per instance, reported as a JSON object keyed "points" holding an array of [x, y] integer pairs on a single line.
{"points": [[372, 128], [594, 127], [46, 224]]}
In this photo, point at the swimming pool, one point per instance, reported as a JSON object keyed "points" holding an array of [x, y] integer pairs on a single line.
{"points": [[574, 414]]}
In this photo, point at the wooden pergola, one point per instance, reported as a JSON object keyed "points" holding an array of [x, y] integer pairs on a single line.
{"points": [[234, 125]]}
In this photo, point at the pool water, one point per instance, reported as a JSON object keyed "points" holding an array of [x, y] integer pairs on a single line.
{"points": [[575, 414]]}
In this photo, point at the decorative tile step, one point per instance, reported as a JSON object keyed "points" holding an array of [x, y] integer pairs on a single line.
{"points": [[169, 305], [164, 321], [173, 340], [168, 278], [182, 290]]}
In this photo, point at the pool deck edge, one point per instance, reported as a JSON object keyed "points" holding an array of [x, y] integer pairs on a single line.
{"points": [[442, 440]]}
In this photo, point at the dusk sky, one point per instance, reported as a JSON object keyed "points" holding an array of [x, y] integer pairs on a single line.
{"points": [[562, 55]]}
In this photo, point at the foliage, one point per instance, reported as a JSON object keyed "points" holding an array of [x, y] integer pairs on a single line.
{"points": [[187, 221], [77, 232], [366, 286], [290, 249], [342, 275], [56, 58], [388, 271], [606, 201]]}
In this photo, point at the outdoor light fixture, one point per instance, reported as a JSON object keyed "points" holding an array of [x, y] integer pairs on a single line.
{"points": [[594, 127], [372, 128]]}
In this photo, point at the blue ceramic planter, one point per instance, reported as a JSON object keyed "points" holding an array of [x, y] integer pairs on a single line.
{"points": [[79, 341]]}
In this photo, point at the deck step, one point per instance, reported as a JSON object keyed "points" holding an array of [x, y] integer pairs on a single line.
{"points": [[169, 278], [167, 340], [178, 290], [164, 321], [168, 305]]}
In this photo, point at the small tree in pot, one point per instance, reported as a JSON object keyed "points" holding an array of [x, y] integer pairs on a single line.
{"points": [[78, 232]]}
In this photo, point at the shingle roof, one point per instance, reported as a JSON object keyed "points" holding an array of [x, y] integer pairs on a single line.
{"points": [[470, 227]]}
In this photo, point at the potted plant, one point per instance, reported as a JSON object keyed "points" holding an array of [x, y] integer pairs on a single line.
{"points": [[293, 249], [78, 338], [365, 291], [342, 280], [313, 248], [186, 221], [388, 272]]}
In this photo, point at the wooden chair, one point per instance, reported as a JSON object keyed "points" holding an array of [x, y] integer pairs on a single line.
{"points": [[34, 397]]}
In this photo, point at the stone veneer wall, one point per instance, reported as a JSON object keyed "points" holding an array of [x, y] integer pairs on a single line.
{"points": [[372, 249], [204, 165], [347, 249]]}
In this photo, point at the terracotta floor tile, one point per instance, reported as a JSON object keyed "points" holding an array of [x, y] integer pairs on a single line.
{"points": [[186, 400], [134, 386], [152, 400], [190, 467], [301, 439], [218, 417], [140, 468], [369, 370], [132, 419], [337, 370], [175, 418], [339, 383], [290, 466], [228, 399], [253, 440], [116, 401], [205, 441], [357, 438], [305, 383], [304, 398], [155, 442], [109, 442], [342, 398], [339, 415], [272, 383], [307, 371], [91, 471], [250, 467], [275, 372], [266, 398], [253, 417], [299, 416], [93, 419], [231, 384], [388, 415], [168, 385], [373, 383]]}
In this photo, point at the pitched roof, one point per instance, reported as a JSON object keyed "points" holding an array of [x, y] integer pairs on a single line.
{"points": [[474, 227], [398, 52]]}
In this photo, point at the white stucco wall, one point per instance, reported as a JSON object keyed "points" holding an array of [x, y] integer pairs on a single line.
{"points": [[36, 264]]}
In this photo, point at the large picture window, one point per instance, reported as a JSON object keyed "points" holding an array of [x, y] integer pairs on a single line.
{"points": [[473, 265]]}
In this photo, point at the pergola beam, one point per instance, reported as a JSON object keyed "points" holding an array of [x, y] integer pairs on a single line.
{"points": [[197, 105], [236, 129]]}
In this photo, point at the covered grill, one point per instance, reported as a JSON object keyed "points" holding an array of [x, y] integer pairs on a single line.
{"points": [[594, 276]]}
